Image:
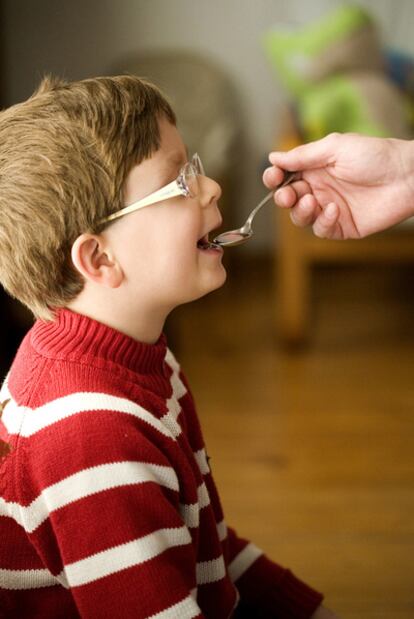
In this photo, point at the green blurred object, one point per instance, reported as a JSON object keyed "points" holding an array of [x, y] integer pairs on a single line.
{"points": [[336, 105], [299, 55], [334, 71]]}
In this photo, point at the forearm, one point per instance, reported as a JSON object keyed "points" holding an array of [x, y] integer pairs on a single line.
{"points": [[265, 587]]}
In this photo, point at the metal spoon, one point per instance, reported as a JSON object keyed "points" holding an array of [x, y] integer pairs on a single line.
{"points": [[243, 234]]}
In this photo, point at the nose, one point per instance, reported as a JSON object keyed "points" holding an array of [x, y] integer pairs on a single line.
{"points": [[210, 191]]}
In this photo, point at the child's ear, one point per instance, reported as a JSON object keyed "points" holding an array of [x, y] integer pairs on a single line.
{"points": [[95, 261]]}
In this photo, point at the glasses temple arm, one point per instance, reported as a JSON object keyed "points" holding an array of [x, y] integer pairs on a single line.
{"points": [[169, 191]]}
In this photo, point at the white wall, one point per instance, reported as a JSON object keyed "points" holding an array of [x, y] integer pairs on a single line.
{"points": [[78, 38]]}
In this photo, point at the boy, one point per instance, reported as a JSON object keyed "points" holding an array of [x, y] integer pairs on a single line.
{"points": [[107, 503]]}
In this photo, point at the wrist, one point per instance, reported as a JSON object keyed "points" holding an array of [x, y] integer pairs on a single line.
{"points": [[405, 149]]}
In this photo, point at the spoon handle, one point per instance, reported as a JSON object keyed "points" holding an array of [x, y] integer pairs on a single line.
{"points": [[289, 178], [257, 208]]}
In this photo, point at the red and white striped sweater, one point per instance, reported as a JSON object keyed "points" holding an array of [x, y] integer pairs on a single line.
{"points": [[107, 504]]}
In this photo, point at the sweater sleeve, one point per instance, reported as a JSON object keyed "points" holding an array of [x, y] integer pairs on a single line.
{"points": [[103, 515], [266, 589]]}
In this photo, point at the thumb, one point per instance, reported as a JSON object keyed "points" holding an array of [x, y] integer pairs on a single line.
{"points": [[307, 156]]}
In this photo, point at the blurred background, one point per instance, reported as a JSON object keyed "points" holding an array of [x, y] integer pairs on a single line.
{"points": [[302, 364]]}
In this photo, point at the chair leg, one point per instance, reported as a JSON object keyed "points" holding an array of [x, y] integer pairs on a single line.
{"points": [[292, 298]]}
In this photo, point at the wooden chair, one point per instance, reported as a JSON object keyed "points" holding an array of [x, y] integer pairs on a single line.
{"points": [[298, 251]]}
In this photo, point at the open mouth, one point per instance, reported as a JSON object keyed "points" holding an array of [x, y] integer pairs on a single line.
{"points": [[204, 243]]}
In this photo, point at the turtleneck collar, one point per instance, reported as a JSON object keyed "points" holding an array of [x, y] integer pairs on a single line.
{"points": [[75, 336]]}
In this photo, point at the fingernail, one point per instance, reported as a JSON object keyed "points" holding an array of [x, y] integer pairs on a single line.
{"points": [[330, 211]]}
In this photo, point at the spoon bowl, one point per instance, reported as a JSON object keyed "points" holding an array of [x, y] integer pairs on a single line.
{"points": [[231, 238]]}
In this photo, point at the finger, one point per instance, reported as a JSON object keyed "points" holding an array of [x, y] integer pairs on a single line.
{"points": [[326, 225], [305, 212], [273, 176], [306, 156], [288, 196]]}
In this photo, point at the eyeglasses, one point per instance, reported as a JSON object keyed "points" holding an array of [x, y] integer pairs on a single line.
{"points": [[186, 184]]}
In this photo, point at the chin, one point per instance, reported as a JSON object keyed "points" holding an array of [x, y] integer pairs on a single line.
{"points": [[207, 289], [216, 285], [223, 278], [182, 293], [218, 281]]}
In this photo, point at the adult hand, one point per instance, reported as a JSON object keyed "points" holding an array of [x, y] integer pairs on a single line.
{"points": [[350, 185], [324, 613]]}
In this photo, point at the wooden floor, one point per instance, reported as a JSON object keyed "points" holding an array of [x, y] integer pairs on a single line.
{"points": [[313, 450]]}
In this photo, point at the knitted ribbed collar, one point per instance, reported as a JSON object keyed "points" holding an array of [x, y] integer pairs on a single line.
{"points": [[75, 336]]}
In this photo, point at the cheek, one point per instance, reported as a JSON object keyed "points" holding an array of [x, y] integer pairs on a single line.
{"points": [[159, 249], [136, 249], [175, 239], [165, 252]]}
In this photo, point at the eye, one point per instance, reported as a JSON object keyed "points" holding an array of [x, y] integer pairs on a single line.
{"points": [[173, 173]]}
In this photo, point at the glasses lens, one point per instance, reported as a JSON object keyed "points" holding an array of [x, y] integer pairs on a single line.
{"points": [[191, 173], [196, 162]]}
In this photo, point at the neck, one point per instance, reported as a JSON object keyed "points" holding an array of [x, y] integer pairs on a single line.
{"points": [[143, 324]]}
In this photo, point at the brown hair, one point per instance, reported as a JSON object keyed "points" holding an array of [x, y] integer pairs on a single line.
{"points": [[64, 157]]}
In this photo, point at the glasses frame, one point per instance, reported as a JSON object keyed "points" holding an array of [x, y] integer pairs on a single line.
{"points": [[178, 187]]}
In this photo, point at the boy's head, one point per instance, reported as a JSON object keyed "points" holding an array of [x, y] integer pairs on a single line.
{"points": [[155, 254], [70, 156]]}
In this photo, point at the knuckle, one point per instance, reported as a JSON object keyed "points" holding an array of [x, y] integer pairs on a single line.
{"points": [[334, 136]]}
